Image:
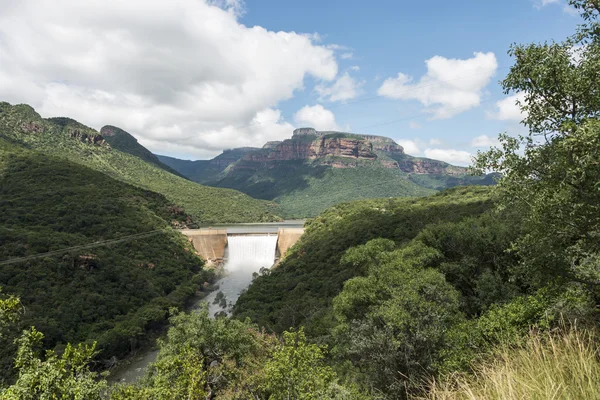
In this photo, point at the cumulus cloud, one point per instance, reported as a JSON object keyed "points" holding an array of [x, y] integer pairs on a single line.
{"points": [[347, 56], [452, 156], [344, 88], [450, 86], [410, 146], [317, 117], [177, 74], [484, 141], [508, 110]]}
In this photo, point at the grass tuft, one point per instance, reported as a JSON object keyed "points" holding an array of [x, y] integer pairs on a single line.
{"points": [[547, 366]]}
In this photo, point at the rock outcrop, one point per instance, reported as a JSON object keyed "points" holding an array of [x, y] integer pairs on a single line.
{"points": [[310, 144]]}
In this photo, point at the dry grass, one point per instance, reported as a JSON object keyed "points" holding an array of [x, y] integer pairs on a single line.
{"points": [[547, 367]]}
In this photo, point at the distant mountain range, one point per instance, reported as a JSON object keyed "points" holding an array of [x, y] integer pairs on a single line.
{"points": [[314, 170]]}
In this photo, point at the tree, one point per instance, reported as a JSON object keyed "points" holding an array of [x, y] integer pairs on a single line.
{"points": [[297, 370], [392, 322], [67, 376], [10, 310], [551, 175]]}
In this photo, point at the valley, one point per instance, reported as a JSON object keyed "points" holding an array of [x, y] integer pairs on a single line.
{"points": [[232, 200]]}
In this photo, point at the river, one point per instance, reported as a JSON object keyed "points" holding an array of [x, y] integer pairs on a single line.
{"points": [[246, 255]]}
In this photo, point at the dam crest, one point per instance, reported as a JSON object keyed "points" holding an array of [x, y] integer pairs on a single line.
{"points": [[213, 244]]}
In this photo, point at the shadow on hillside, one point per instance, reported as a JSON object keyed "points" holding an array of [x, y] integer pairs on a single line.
{"points": [[267, 184]]}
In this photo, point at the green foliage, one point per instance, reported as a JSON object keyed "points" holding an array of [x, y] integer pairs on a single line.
{"points": [[305, 189], [112, 294], [301, 288], [553, 183], [68, 139], [297, 370], [224, 358], [67, 376], [125, 142], [393, 321], [10, 311]]}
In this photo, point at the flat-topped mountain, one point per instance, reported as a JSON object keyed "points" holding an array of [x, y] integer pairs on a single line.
{"points": [[316, 169]]}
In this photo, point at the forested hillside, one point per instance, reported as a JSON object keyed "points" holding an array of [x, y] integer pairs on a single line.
{"points": [[110, 293], [300, 290], [66, 138], [471, 293]]}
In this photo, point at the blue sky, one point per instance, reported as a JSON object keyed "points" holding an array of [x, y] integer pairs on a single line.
{"points": [[387, 37], [191, 78]]}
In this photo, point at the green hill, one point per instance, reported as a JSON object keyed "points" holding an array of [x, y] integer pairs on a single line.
{"points": [[315, 170], [205, 171], [66, 138], [300, 290], [125, 142], [109, 293]]}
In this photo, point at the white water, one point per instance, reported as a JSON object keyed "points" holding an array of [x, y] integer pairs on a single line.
{"points": [[247, 254]]}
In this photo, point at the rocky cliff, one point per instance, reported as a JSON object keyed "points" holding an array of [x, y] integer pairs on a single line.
{"points": [[309, 144], [339, 150]]}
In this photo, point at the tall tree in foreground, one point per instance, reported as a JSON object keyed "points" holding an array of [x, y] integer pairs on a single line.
{"points": [[552, 174]]}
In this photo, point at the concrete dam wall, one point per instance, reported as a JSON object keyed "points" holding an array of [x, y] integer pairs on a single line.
{"points": [[211, 244]]}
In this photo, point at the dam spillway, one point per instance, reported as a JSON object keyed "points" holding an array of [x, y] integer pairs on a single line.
{"points": [[255, 250], [217, 245]]}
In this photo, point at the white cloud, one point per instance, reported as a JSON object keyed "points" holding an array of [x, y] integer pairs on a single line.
{"points": [[347, 56], [316, 117], [410, 146], [175, 73], [508, 109], [354, 68], [570, 10], [451, 156], [484, 141], [344, 88], [449, 87], [414, 125], [435, 142], [543, 3]]}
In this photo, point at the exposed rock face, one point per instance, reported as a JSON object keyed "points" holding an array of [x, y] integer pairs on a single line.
{"points": [[88, 137], [32, 127], [271, 145], [309, 144], [305, 132], [427, 166]]}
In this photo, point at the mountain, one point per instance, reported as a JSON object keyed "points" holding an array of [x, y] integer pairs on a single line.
{"points": [[127, 143], [203, 171], [112, 293], [314, 170], [128, 162]]}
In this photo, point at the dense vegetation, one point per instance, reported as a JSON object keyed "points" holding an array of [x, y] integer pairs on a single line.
{"points": [[467, 294], [111, 294], [301, 288], [206, 171], [305, 188], [66, 138], [125, 142]]}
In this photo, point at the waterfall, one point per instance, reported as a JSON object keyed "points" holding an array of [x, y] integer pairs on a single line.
{"points": [[251, 252]]}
